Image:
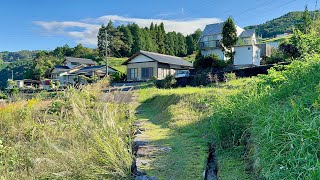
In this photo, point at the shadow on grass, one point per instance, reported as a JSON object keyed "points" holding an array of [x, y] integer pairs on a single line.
{"points": [[189, 143]]}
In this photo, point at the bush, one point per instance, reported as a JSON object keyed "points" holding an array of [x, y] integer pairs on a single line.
{"points": [[229, 77], [168, 82], [3, 96], [276, 56], [210, 61]]}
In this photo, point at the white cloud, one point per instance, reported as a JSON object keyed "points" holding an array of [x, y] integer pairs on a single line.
{"points": [[86, 31]]}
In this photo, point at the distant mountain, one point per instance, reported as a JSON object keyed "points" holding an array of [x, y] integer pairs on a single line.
{"points": [[279, 25], [15, 56]]}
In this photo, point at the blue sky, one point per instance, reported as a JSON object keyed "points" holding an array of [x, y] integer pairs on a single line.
{"points": [[44, 25]]}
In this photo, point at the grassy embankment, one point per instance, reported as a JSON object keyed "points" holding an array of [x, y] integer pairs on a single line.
{"points": [[116, 63], [76, 135], [263, 127]]}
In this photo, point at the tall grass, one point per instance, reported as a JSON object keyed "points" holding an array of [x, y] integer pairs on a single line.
{"points": [[77, 136], [278, 118], [275, 116]]}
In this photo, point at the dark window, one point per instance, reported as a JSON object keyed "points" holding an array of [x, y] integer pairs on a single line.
{"points": [[132, 73], [146, 73]]}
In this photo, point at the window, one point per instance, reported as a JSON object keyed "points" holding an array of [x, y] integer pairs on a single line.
{"points": [[74, 63], [133, 73], [147, 73], [163, 72]]}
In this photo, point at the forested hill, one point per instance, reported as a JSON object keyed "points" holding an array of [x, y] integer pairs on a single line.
{"points": [[279, 25], [14, 56]]}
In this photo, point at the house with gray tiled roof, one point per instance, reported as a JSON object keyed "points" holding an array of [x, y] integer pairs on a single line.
{"points": [[73, 69], [246, 50], [144, 65]]}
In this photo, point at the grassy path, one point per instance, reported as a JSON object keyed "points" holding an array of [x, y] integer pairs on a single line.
{"points": [[180, 119]]}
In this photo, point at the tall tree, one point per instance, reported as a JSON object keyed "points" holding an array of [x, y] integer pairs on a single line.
{"points": [[161, 38], [306, 24], [170, 43], [102, 41], [191, 45], [229, 38], [182, 46], [114, 40], [138, 41], [128, 41]]}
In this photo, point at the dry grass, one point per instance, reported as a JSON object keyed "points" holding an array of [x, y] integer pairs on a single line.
{"points": [[76, 137]]}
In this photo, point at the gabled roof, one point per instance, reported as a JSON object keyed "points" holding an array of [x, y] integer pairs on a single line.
{"points": [[95, 68], [79, 60], [247, 33], [212, 29], [162, 58]]}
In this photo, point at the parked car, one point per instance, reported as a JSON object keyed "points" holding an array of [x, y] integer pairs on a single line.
{"points": [[182, 73]]}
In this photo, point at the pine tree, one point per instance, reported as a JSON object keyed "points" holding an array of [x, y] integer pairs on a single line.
{"points": [[182, 46], [191, 45], [306, 24], [137, 38], [102, 41], [161, 38], [229, 38], [170, 44], [128, 41]]}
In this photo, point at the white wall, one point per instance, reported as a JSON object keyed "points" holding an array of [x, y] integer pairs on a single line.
{"points": [[247, 55], [141, 58]]}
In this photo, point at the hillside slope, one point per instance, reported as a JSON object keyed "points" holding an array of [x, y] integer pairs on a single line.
{"points": [[279, 25]]}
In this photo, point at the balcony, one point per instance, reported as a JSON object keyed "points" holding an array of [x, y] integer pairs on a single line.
{"points": [[210, 45]]}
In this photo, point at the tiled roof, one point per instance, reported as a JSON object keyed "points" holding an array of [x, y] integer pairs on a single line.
{"points": [[79, 60], [162, 58], [247, 33], [212, 29], [95, 68], [61, 67]]}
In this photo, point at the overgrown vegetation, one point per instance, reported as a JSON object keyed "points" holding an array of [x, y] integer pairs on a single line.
{"points": [[74, 136], [210, 61]]}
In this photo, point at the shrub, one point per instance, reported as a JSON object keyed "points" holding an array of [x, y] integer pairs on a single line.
{"points": [[229, 77], [210, 61], [3, 96], [167, 82], [276, 56]]}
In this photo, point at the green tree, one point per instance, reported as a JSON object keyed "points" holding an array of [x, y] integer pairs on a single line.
{"points": [[182, 46], [114, 37], [128, 41], [170, 43], [43, 65], [138, 42], [191, 44], [229, 38], [161, 38], [306, 24]]}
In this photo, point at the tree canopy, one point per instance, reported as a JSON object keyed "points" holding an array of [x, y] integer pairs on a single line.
{"points": [[125, 40], [229, 37]]}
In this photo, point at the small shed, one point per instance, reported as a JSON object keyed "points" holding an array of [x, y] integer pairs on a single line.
{"points": [[247, 55]]}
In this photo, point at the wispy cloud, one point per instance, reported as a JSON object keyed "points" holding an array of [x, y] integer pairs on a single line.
{"points": [[86, 31]]}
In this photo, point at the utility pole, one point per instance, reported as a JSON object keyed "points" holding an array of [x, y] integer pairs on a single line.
{"points": [[107, 70], [12, 75]]}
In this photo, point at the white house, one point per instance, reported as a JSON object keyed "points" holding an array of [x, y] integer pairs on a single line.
{"points": [[246, 51]]}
